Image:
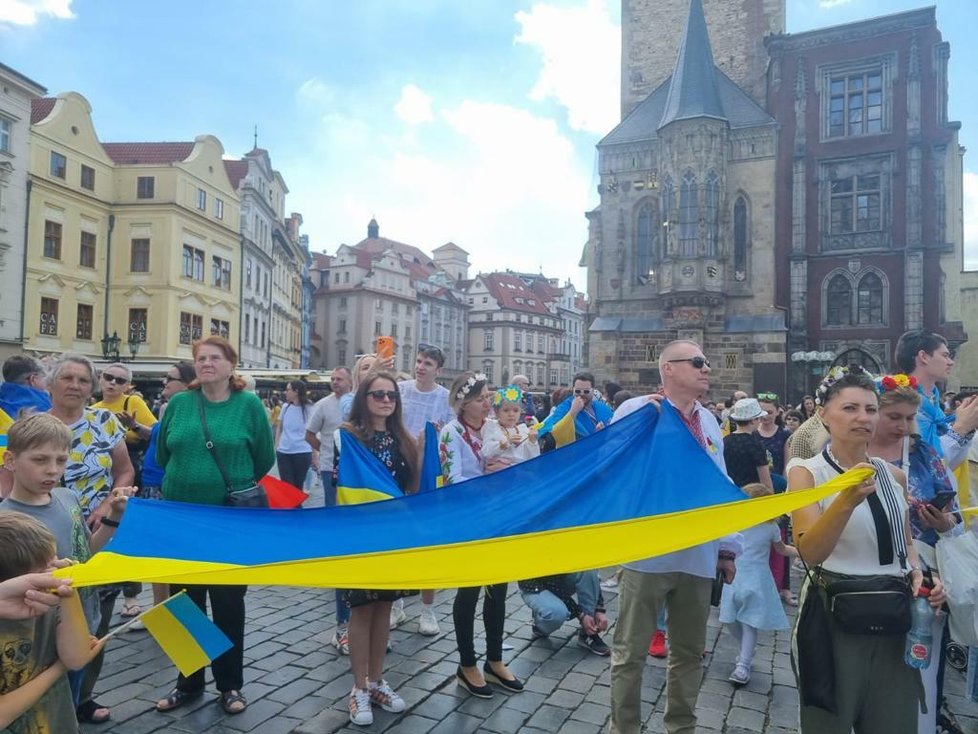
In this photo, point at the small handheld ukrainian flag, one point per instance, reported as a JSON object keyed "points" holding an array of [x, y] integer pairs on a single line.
{"points": [[185, 633]]}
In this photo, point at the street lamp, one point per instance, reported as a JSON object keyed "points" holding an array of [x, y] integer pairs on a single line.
{"points": [[134, 343], [813, 363], [137, 337], [110, 347]]}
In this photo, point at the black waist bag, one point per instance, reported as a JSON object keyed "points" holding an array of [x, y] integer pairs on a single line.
{"points": [[870, 605]]}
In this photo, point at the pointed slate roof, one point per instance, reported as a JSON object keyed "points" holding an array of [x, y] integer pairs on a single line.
{"points": [[693, 87]]}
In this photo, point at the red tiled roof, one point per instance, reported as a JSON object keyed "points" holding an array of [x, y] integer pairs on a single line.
{"points": [[147, 154], [41, 107], [506, 288], [379, 245], [236, 171], [321, 261]]}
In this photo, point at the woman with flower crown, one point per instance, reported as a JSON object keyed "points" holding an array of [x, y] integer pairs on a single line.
{"points": [[507, 436], [862, 533], [460, 447], [933, 501]]}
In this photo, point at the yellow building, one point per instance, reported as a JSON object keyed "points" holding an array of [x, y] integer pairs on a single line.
{"points": [[138, 239]]}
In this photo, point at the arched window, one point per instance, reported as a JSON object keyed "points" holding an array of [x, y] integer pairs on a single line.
{"points": [[862, 358], [689, 216], [646, 233], [741, 239], [667, 203], [711, 207], [838, 302], [869, 299]]}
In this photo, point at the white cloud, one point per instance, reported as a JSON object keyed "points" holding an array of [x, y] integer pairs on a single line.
{"points": [[499, 181], [581, 50], [832, 3], [29, 12], [970, 205], [414, 106]]}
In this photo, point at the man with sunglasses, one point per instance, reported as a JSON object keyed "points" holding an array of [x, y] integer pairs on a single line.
{"points": [[590, 414], [681, 581], [423, 400]]}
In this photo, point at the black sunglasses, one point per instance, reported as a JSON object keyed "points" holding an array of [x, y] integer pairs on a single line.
{"points": [[381, 394], [115, 378], [584, 391], [170, 378], [697, 362]]}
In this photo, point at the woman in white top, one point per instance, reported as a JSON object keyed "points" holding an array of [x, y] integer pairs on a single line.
{"points": [[875, 691], [292, 452], [460, 449]]}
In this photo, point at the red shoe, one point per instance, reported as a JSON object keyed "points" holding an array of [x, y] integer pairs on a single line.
{"points": [[657, 648]]}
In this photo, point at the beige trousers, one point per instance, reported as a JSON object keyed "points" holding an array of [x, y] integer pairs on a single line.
{"points": [[687, 602]]}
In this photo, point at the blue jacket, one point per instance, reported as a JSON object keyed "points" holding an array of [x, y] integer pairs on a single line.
{"points": [[584, 424]]}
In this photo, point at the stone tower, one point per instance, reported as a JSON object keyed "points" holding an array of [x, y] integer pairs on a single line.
{"points": [[651, 31]]}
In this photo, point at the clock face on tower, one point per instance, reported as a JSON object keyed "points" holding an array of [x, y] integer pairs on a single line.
{"points": [[688, 271]]}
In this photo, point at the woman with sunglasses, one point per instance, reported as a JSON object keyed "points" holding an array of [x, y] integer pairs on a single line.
{"points": [[460, 449], [376, 422]]}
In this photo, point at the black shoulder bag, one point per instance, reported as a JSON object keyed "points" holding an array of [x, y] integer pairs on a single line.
{"points": [[875, 605], [253, 496]]}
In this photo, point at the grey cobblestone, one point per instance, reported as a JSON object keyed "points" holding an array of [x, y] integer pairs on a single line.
{"points": [[296, 682]]}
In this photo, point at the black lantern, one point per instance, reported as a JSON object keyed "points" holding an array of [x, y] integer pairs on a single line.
{"points": [[110, 347]]}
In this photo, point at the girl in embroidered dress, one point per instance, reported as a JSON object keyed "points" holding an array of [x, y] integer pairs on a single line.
{"points": [[460, 446], [375, 421], [507, 436]]}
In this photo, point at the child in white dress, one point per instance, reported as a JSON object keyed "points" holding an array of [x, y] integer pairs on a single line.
{"points": [[751, 602], [507, 436]]}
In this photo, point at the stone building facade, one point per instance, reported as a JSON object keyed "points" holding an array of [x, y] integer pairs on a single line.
{"points": [[682, 245], [869, 230], [833, 188]]}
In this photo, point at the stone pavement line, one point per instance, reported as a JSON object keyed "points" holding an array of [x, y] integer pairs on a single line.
{"points": [[296, 682]]}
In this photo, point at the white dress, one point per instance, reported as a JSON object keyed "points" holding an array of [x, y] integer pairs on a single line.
{"points": [[512, 443], [752, 598]]}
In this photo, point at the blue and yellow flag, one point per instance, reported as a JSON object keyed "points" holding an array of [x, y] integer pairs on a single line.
{"points": [[430, 463], [641, 487], [185, 633], [362, 478]]}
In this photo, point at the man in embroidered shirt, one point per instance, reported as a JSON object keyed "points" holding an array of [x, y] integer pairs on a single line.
{"points": [[680, 581], [925, 355]]}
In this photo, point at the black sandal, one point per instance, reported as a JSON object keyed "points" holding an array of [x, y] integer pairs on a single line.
{"points": [[85, 712], [177, 698], [229, 698]]}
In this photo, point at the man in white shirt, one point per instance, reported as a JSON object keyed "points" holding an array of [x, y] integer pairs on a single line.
{"points": [[423, 400], [680, 581], [326, 417]]}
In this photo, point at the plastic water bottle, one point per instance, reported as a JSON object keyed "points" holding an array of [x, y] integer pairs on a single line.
{"points": [[920, 638]]}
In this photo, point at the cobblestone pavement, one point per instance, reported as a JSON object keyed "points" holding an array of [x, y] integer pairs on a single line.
{"points": [[296, 682]]}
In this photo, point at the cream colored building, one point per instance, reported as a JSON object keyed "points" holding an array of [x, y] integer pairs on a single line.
{"points": [[16, 93], [135, 239]]}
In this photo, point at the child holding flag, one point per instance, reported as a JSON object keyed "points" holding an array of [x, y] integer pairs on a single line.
{"points": [[508, 436]]}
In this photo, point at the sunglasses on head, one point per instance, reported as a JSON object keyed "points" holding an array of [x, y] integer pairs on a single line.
{"points": [[115, 378], [430, 349], [768, 396], [381, 394], [697, 362]]}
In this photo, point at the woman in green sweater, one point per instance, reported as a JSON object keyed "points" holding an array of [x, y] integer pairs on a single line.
{"points": [[242, 437]]}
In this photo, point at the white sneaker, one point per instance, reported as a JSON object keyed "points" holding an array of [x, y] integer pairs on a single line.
{"points": [[341, 641], [610, 583], [428, 623], [384, 696], [740, 675], [360, 713], [398, 614]]}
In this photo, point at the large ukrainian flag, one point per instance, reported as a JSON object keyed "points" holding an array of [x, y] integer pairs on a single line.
{"points": [[640, 487]]}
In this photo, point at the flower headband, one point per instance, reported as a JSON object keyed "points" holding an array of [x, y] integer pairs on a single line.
{"points": [[469, 384], [893, 382], [833, 376], [508, 394]]}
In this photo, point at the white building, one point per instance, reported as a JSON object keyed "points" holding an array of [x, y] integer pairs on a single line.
{"points": [[16, 93]]}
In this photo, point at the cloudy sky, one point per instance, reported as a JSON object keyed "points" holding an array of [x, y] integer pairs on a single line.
{"points": [[472, 121]]}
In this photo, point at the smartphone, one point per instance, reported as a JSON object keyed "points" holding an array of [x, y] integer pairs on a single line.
{"points": [[385, 348], [716, 593], [942, 499]]}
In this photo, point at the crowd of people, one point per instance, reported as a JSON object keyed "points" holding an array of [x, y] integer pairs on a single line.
{"points": [[71, 463]]}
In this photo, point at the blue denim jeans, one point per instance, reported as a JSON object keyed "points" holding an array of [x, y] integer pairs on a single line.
{"points": [[549, 612], [329, 489]]}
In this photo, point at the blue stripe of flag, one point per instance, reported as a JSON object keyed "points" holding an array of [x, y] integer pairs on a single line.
{"points": [[205, 633]]}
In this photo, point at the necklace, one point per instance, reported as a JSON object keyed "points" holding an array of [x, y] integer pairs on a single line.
{"points": [[470, 427], [828, 450]]}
